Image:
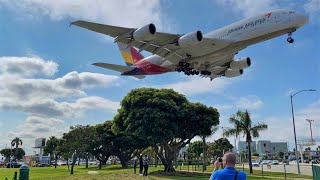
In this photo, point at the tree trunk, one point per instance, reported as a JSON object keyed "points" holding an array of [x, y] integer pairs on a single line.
{"points": [[104, 161], [68, 164], [167, 161], [55, 162], [100, 164], [156, 162], [16, 152], [204, 153], [73, 163], [249, 157], [168, 167], [124, 163], [87, 159]]}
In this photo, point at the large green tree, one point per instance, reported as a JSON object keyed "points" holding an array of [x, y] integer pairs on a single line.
{"points": [[52, 148], [126, 146], [16, 142], [243, 125], [7, 153], [218, 147], [76, 143], [101, 142], [108, 142], [165, 119], [195, 149]]}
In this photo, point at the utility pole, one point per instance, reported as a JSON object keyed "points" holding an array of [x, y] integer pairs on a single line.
{"points": [[294, 127], [310, 122]]}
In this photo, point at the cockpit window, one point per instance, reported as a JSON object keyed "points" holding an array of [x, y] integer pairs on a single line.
{"points": [[291, 12]]}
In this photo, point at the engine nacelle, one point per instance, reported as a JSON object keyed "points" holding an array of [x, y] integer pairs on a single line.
{"points": [[190, 39], [145, 33], [241, 63], [233, 73]]}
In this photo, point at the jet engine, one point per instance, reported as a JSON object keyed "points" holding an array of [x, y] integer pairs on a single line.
{"points": [[240, 63], [190, 39], [233, 73], [145, 33]]}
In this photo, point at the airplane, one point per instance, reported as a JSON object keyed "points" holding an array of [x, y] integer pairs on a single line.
{"points": [[209, 55]]}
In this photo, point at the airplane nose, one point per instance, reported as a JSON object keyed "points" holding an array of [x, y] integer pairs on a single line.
{"points": [[302, 19]]}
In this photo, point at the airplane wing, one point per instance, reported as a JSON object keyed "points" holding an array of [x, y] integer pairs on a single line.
{"points": [[162, 44]]}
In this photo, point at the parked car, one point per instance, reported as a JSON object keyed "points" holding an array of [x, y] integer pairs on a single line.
{"points": [[255, 163], [275, 162], [264, 162], [13, 165], [43, 165]]}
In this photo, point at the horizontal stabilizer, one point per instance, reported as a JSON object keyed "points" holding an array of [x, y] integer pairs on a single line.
{"points": [[115, 67]]}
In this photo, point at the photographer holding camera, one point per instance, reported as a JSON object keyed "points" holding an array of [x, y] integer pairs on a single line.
{"points": [[229, 172]]}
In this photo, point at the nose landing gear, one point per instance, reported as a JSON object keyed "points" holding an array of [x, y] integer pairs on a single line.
{"points": [[290, 39]]}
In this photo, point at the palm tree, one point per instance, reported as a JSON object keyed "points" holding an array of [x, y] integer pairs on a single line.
{"points": [[204, 143], [243, 125], [16, 142]]}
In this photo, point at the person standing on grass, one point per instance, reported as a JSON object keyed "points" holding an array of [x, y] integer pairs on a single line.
{"points": [[145, 165], [135, 165], [140, 165], [229, 172]]}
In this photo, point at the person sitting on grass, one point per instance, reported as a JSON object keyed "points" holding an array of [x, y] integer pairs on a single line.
{"points": [[229, 172]]}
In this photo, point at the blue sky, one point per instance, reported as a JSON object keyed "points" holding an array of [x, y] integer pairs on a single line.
{"points": [[48, 83]]}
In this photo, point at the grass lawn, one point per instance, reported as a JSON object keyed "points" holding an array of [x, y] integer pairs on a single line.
{"points": [[107, 172]]}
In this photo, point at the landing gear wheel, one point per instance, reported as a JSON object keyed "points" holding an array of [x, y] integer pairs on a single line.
{"points": [[290, 40]]}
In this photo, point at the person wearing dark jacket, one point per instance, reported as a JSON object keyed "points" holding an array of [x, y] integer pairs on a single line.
{"points": [[140, 165], [145, 165]]}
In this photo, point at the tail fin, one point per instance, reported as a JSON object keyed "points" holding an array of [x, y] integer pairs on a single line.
{"points": [[129, 54]]}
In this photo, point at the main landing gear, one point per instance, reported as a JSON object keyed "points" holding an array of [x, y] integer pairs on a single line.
{"points": [[290, 39], [185, 67]]}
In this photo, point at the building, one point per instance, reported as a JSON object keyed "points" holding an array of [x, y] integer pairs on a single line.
{"points": [[183, 153], [271, 148], [242, 147]]}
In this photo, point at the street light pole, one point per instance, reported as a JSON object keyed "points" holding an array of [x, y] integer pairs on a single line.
{"points": [[294, 127], [310, 122]]}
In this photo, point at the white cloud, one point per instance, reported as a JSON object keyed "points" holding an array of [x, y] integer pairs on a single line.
{"points": [[281, 128], [116, 12], [48, 102], [27, 66], [249, 102], [43, 120], [313, 8], [200, 85]]}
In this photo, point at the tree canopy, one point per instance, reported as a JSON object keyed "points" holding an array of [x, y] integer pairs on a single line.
{"points": [[165, 119], [7, 153], [218, 147]]}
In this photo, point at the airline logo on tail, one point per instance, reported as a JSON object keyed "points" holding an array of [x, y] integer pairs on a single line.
{"points": [[129, 54]]}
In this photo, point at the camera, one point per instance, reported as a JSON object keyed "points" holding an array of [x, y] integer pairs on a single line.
{"points": [[220, 159]]}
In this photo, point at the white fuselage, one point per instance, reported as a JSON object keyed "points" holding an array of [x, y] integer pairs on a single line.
{"points": [[241, 34]]}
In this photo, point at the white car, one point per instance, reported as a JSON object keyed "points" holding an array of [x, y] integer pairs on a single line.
{"points": [[255, 163], [264, 162]]}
